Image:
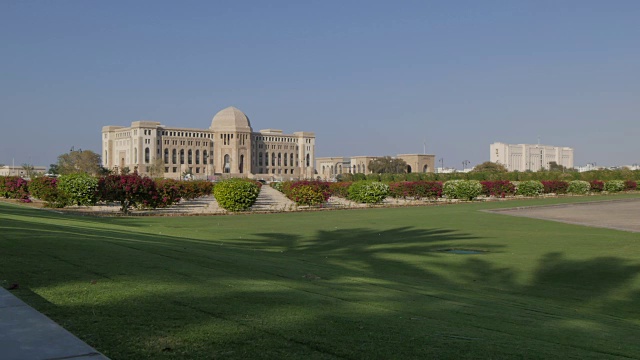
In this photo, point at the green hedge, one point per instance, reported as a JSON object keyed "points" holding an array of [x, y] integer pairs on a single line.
{"points": [[236, 194], [578, 187], [462, 189], [368, 192], [79, 189], [614, 185], [529, 188]]}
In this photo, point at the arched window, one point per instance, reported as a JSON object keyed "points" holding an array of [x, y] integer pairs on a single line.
{"points": [[181, 156], [279, 159], [266, 159], [339, 168], [259, 159], [425, 168], [166, 156], [308, 160], [291, 159], [174, 156], [241, 165], [146, 155], [285, 159], [354, 169], [106, 159], [273, 159], [322, 169], [331, 172], [135, 155], [205, 155], [227, 163], [190, 157], [197, 157], [408, 169]]}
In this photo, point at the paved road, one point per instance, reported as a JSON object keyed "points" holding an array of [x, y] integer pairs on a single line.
{"points": [[618, 214]]}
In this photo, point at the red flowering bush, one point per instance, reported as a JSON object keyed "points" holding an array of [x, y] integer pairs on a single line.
{"points": [[555, 186], [169, 192], [498, 188], [415, 189], [14, 187], [190, 190], [340, 189], [129, 190], [630, 185], [596, 185], [307, 192], [46, 189]]}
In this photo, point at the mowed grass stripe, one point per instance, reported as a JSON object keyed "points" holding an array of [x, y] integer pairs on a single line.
{"points": [[350, 284]]}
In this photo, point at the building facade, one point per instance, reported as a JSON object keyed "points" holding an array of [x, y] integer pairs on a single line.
{"points": [[229, 147], [527, 157], [8, 170], [330, 167]]}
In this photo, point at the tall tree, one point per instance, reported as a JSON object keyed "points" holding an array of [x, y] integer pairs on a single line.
{"points": [[54, 169], [491, 167], [29, 170], [157, 168], [79, 162], [387, 164]]}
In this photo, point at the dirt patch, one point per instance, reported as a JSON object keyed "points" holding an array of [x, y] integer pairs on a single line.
{"points": [[616, 214]]}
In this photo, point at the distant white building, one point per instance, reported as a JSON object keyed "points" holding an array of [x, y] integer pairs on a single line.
{"points": [[9, 170], [534, 157]]}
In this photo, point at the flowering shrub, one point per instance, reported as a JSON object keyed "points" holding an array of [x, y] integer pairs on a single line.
{"points": [[555, 186], [46, 189], [79, 189], [529, 188], [630, 185], [462, 189], [340, 188], [129, 190], [190, 190], [307, 192], [368, 192], [169, 192], [614, 185], [236, 194], [596, 185], [578, 187], [499, 188], [415, 189], [14, 187]]}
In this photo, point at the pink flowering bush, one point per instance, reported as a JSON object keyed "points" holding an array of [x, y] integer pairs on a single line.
{"points": [[498, 188], [129, 190], [596, 185], [340, 189], [46, 189], [415, 189], [630, 185], [555, 186], [14, 187]]}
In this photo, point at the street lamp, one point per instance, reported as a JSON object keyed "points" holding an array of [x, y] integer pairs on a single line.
{"points": [[442, 163], [464, 164]]}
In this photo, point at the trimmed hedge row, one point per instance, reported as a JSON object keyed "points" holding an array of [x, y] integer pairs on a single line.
{"points": [[81, 189], [236, 194]]}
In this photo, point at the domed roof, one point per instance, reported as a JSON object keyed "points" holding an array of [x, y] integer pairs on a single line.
{"points": [[230, 119]]}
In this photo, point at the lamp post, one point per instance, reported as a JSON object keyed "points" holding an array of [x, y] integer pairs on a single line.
{"points": [[464, 164], [442, 164]]}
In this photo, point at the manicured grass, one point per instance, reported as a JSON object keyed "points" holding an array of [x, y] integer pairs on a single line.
{"points": [[354, 284]]}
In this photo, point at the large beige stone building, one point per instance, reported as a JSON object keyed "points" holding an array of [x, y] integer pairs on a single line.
{"points": [[330, 167], [534, 157], [229, 147]]}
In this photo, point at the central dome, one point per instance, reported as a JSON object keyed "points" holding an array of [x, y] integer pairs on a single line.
{"points": [[230, 119]]}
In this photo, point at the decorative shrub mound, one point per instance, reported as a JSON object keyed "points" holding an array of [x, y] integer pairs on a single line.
{"points": [[614, 185], [498, 188], [46, 189], [14, 187], [529, 188], [630, 185], [307, 192], [596, 185], [415, 189], [555, 186], [129, 190], [80, 189], [368, 192], [339, 188], [236, 194], [578, 187], [462, 189]]}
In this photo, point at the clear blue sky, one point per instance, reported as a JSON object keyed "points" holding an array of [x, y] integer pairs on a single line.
{"points": [[367, 77]]}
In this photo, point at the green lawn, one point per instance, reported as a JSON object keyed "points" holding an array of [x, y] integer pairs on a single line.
{"points": [[352, 284]]}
